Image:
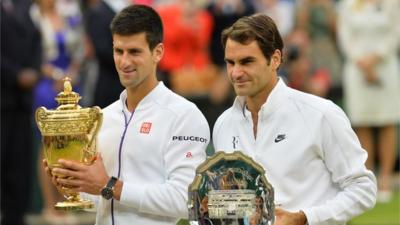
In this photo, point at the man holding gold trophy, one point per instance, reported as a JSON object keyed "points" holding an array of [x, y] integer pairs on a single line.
{"points": [[311, 156], [151, 139]]}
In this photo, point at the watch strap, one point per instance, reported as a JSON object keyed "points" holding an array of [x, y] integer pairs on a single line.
{"points": [[112, 182]]}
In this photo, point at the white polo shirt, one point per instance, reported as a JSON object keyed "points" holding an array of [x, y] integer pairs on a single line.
{"points": [[310, 153], [164, 143]]}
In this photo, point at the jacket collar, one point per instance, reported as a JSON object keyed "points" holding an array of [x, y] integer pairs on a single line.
{"points": [[276, 98], [154, 95]]}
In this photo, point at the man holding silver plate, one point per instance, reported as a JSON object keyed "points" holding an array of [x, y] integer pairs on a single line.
{"points": [[306, 145]]}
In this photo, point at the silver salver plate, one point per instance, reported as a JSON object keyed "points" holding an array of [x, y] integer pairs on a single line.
{"points": [[230, 189]]}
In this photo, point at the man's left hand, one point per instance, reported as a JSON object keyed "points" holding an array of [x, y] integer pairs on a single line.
{"points": [[82, 178]]}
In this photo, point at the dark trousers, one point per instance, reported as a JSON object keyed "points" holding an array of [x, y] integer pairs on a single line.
{"points": [[16, 166]]}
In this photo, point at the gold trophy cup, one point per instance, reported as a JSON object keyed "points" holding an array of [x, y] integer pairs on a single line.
{"points": [[69, 132]]}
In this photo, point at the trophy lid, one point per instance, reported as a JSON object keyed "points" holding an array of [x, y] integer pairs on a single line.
{"points": [[67, 97]]}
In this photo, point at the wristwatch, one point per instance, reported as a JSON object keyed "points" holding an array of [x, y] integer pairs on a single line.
{"points": [[108, 191]]}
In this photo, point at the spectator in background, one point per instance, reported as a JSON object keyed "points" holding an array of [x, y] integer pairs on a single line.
{"points": [[281, 11], [98, 19], [70, 9], [318, 19], [186, 66], [225, 13], [20, 65], [186, 44], [369, 38], [301, 73], [62, 39], [63, 48]]}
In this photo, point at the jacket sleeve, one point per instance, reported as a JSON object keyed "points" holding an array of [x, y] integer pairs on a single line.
{"points": [[344, 158], [181, 158]]}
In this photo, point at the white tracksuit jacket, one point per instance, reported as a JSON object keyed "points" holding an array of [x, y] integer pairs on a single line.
{"points": [[164, 143], [310, 153]]}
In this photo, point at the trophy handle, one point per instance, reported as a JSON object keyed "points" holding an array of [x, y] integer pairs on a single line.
{"points": [[97, 117]]}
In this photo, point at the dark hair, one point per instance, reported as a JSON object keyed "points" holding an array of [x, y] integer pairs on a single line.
{"points": [[136, 19], [257, 27]]}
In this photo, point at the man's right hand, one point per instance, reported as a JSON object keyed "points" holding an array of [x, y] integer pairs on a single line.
{"points": [[284, 217]]}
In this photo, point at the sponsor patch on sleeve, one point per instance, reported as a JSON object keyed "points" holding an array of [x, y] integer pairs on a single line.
{"points": [[189, 155], [189, 138]]}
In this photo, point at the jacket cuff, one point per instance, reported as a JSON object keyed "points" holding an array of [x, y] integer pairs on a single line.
{"points": [[311, 217], [131, 195]]}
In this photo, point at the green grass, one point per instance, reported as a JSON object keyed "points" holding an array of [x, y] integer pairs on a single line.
{"points": [[381, 214], [183, 222]]}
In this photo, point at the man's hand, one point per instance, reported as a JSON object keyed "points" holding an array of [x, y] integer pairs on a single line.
{"points": [[82, 178], [284, 217]]}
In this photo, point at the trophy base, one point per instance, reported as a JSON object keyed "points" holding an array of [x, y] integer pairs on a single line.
{"points": [[74, 205]]}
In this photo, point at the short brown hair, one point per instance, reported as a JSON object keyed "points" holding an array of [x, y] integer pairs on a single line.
{"points": [[257, 27]]}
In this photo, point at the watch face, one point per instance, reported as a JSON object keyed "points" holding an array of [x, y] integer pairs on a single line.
{"points": [[107, 193]]}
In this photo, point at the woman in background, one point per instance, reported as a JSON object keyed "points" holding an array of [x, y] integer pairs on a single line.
{"points": [[370, 41]]}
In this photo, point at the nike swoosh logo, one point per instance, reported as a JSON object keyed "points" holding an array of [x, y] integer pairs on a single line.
{"points": [[280, 137]]}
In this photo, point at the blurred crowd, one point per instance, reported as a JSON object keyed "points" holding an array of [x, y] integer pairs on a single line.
{"points": [[343, 50]]}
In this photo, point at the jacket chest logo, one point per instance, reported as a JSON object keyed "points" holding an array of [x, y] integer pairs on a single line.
{"points": [[145, 128], [280, 137]]}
